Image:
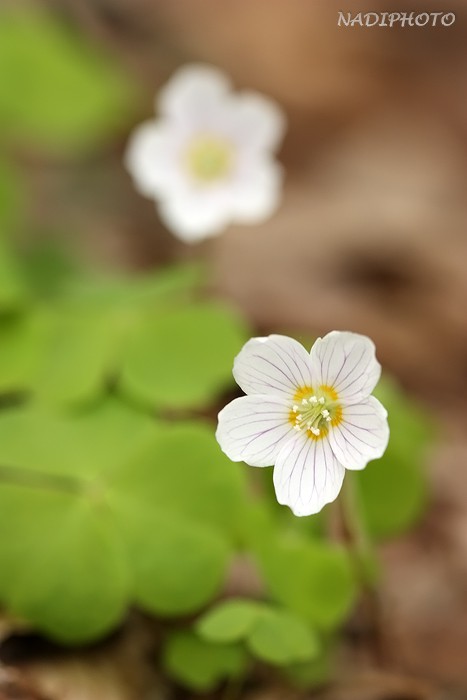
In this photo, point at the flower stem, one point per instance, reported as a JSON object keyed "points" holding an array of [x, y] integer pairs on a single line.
{"points": [[364, 560], [360, 544]]}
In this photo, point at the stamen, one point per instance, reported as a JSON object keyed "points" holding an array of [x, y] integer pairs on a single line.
{"points": [[325, 412], [313, 399], [328, 418], [295, 409], [304, 401], [297, 427], [315, 431], [321, 400]]}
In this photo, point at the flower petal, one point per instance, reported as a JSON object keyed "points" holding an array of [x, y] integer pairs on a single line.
{"points": [[152, 158], [257, 122], [193, 216], [307, 475], [347, 363], [362, 435], [253, 429], [192, 93], [275, 365], [256, 190]]}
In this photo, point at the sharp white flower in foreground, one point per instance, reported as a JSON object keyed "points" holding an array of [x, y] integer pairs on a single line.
{"points": [[310, 414], [208, 160]]}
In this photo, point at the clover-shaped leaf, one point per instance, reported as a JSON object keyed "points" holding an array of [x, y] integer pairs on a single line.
{"points": [[312, 578], [199, 664], [393, 490], [272, 634], [90, 516], [182, 357]]}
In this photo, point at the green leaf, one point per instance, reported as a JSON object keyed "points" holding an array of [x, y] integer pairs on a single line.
{"points": [[21, 346], [79, 355], [313, 579], [182, 358], [62, 567], [273, 635], [184, 470], [281, 638], [146, 293], [179, 567], [89, 329], [230, 621], [155, 502], [200, 665], [56, 90], [184, 491], [85, 447], [393, 490]]}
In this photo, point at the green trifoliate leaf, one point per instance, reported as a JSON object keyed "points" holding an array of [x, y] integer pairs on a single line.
{"points": [[230, 621], [63, 568], [281, 638], [182, 357], [79, 355], [179, 566], [158, 506], [313, 579], [200, 665], [272, 634], [393, 489], [185, 470]]}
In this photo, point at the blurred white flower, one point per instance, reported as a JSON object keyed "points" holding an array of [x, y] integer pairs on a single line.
{"points": [[208, 160], [309, 414]]}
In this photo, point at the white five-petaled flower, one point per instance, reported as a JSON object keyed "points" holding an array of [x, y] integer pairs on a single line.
{"points": [[309, 414], [208, 160]]}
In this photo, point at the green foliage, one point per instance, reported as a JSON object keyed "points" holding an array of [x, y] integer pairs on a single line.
{"points": [[271, 634], [393, 490], [62, 566], [107, 497], [100, 517], [200, 665], [164, 351], [314, 579], [230, 621], [56, 91], [282, 638], [178, 359]]}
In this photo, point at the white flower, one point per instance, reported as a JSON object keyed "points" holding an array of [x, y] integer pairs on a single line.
{"points": [[309, 414], [208, 160]]}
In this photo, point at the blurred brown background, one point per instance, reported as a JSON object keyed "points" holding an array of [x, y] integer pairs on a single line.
{"points": [[371, 237]]}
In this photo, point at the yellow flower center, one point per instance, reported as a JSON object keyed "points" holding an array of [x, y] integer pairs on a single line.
{"points": [[209, 158], [315, 410]]}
